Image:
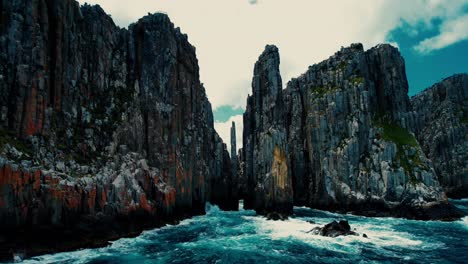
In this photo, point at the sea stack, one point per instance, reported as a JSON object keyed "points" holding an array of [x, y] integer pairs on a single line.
{"points": [[234, 160], [267, 170]]}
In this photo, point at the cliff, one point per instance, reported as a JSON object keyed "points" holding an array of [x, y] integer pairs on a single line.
{"points": [[442, 129], [349, 146], [104, 131]]}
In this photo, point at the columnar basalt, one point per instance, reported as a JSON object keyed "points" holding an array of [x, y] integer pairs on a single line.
{"points": [[107, 131], [267, 170], [442, 129], [104, 131], [348, 121]]}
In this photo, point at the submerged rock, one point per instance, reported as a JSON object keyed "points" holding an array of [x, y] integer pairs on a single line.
{"points": [[275, 216]]}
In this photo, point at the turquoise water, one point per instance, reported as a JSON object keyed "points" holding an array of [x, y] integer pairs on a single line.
{"points": [[242, 237]]}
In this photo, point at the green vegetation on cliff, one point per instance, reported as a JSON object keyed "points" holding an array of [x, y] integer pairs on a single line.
{"points": [[407, 155]]}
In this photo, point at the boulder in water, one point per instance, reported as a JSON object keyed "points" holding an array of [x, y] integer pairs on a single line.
{"points": [[275, 216], [334, 229]]}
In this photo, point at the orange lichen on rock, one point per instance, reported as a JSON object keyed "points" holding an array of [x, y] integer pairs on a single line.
{"points": [[279, 168], [37, 180], [169, 198], [103, 200], [5, 175], [17, 181], [72, 199], [56, 193], [92, 199], [50, 180], [144, 203], [146, 181], [180, 174]]}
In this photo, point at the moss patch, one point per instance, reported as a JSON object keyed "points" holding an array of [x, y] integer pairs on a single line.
{"points": [[394, 133], [405, 142], [8, 137], [320, 91], [357, 79], [342, 65], [409, 163]]}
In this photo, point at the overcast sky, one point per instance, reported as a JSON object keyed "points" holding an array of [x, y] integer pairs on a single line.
{"points": [[229, 35]]}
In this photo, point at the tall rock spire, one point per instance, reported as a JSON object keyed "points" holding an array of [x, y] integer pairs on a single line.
{"points": [[234, 163], [265, 149]]}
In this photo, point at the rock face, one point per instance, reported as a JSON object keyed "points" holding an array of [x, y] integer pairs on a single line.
{"points": [[267, 168], [347, 122], [442, 129], [104, 131]]}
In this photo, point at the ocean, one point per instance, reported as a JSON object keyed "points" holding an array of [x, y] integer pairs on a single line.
{"points": [[243, 237]]}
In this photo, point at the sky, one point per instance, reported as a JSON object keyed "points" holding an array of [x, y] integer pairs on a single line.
{"points": [[229, 35]]}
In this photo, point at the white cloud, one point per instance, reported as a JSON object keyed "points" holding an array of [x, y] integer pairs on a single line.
{"points": [[230, 35], [452, 31], [224, 131]]}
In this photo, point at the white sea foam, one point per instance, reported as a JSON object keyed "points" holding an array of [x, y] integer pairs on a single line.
{"points": [[464, 221], [379, 235], [385, 235], [81, 256]]}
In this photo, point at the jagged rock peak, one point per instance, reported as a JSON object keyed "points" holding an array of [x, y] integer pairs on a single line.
{"points": [[450, 88], [234, 159], [266, 170], [353, 48], [270, 52], [233, 141], [267, 71], [267, 90], [96, 10]]}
